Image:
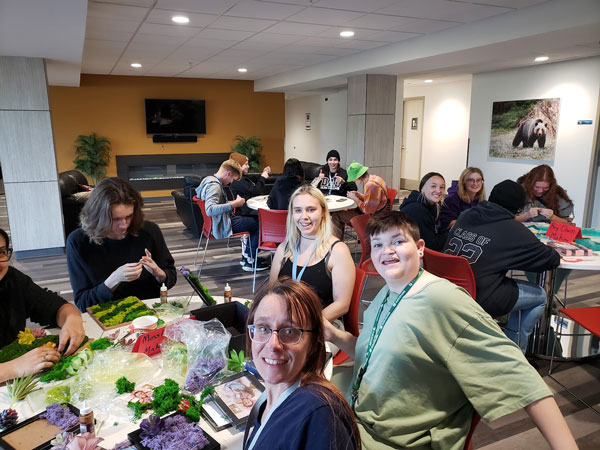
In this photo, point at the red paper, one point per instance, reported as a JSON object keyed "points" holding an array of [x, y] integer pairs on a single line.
{"points": [[149, 343], [563, 232]]}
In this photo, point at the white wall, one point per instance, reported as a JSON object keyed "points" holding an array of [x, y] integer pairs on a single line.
{"points": [[577, 84], [328, 127], [445, 126]]}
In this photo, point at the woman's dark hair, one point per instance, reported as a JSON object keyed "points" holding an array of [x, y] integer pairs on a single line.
{"points": [[96, 215], [4, 234], [554, 192], [304, 310], [293, 168]]}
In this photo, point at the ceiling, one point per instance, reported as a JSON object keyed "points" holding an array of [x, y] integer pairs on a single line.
{"points": [[294, 45]]}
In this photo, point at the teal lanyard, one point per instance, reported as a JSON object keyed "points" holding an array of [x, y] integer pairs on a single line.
{"points": [[376, 332], [295, 275]]}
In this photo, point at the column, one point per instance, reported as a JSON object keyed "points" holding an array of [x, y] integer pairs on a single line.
{"points": [[28, 159]]}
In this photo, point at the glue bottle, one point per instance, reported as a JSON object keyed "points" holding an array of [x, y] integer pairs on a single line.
{"points": [[227, 293], [164, 294], [86, 420]]}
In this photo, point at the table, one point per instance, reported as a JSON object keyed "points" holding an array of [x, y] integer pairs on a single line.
{"points": [[334, 202]]}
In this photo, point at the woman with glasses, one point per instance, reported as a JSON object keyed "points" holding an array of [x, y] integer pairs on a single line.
{"points": [[299, 409], [470, 192], [310, 253], [20, 299]]}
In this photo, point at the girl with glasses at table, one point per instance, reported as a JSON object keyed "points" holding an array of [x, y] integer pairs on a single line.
{"points": [[470, 191], [20, 299], [299, 408]]}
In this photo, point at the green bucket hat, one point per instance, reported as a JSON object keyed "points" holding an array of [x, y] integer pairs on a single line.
{"points": [[356, 170]]}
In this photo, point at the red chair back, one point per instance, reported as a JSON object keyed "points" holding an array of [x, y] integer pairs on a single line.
{"points": [[351, 317], [272, 225], [391, 196], [469, 442], [455, 269], [207, 225], [359, 223]]}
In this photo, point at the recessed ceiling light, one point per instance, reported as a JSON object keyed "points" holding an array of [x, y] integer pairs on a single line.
{"points": [[428, 81], [136, 65], [180, 19], [242, 70], [347, 33], [541, 59]]}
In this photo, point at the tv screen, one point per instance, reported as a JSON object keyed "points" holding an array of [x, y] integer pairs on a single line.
{"points": [[175, 116]]}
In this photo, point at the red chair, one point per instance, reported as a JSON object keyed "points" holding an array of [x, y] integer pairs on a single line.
{"points": [[455, 269], [391, 196], [207, 232], [588, 318], [351, 317], [272, 231], [359, 223], [474, 421]]}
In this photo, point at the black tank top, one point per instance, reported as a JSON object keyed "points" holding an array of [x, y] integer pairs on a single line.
{"points": [[317, 276]]}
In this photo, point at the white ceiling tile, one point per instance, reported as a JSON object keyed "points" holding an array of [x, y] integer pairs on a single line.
{"points": [[112, 11], [356, 5], [167, 70], [442, 10], [226, 35], [301, 29], [191, 54], [208, 67], [426, 26], [141, 38], [242, 55], [280, 39], [96, 68], [360, 45], [389, 36], [196, 20], [380, 22], [96, 51], [359, 33], [199, 6], [110, 30], [168, 30], [511, 3], [293, 2], [242, 24], [215, 44], [257, 46], [263, 10], [126, 2], [324, 16], [151, 50]]}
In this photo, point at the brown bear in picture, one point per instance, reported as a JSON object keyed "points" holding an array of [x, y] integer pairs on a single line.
{"points": [[530, 131]]}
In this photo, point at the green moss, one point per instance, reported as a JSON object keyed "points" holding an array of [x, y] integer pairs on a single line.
{"points": [[138, 408], [14, 349], [124, 385], [100, 344]]}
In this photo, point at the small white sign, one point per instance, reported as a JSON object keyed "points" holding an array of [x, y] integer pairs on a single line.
{"points": [[307, 121]]}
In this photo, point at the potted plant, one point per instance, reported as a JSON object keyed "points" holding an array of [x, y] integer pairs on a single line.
{"points": [[93, 155], [251, 148]]}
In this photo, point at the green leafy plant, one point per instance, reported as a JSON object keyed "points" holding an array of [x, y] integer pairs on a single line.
{"points": [[236, 362], [20, 388], [93, 155], [124, 385], [250, 147]]}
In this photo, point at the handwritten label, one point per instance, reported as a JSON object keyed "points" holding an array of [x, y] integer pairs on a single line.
{"points": [[149, 343], [563, 232]]}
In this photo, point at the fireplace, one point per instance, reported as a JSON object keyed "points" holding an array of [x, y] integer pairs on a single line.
{"points": [[153, 172]]}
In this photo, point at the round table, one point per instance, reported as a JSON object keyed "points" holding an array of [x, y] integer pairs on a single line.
{"points": [[334, 202]]}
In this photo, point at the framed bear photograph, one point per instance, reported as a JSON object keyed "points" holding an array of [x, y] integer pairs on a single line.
{"points": [[524, 129]]}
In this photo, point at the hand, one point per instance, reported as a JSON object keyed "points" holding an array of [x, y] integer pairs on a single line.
{"points": [[35, 361], [339, 179], [352, 194], [546, 212], [238, 202], [72, 332], [126, 272], [266, 172], [150, 265], [328, 330], [321, 175], [533, 213]]}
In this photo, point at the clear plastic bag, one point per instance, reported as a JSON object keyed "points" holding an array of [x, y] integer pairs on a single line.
{"points": [[206, 344]]}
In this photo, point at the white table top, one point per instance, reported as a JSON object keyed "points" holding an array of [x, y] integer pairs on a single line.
{"points": [[334, 202]]}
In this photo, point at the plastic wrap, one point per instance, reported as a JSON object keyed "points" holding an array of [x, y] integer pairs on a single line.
{"points": [[206, 344], [174, 360]]}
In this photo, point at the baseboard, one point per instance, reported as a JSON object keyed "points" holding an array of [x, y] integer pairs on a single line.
{"points": [[40, 253]]}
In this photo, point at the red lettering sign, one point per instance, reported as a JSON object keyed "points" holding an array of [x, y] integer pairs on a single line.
{"points": [[563, 232], [149, 343]]}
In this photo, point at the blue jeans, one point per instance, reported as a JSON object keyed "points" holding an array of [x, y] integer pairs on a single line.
{"points": [[250, 224], [531, 302]]}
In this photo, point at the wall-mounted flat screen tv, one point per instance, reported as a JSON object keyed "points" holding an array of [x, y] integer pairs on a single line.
{"points": [[175, 116]]}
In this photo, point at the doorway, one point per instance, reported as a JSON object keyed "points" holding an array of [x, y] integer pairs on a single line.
{"points": [[412, 138]]}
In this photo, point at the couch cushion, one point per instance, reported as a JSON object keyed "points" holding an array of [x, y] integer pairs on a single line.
{"points": [[190, 183]]}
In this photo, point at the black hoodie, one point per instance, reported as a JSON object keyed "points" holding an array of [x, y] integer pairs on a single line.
{"points": [[425, 214], [335, 188], [494, 242]]}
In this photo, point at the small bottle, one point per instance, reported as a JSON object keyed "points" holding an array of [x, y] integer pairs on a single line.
{"points": [[164, 293], [86, 420], [227, 293]]}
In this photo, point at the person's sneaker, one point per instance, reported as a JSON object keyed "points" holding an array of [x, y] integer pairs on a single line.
{"points": [[260, 266]]}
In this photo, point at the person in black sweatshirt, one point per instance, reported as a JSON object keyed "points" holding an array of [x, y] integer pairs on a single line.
{"points": [[245, 187], [332, 178], [493, 242], [115, 253], [284, 187]]}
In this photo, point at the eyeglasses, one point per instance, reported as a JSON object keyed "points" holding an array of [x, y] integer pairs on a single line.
{"points": [[475, 180], [5, 254], [287, 335]]}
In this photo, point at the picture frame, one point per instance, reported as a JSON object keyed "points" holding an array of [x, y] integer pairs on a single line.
{"points": [[414, 123], [236, 395], [214, 415]]}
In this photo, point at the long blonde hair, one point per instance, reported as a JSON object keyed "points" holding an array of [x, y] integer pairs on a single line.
{"points": [[292, 237], [462, 185]]}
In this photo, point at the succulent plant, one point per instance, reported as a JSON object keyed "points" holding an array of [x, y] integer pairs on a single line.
{"points": [[20, 387], [150, 426], [8, 418]]}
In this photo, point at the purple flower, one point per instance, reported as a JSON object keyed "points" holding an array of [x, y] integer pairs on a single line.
{"points": [[60, 416], [184, 271], [202, 373], [150, 426], [123, 445], [177, 434]]}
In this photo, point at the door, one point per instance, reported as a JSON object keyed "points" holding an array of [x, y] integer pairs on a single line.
{"points": [[412, 137]]}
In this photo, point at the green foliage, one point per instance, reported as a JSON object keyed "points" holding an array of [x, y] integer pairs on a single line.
{"points": [[14, 349], [236, 362], [506, 115], [250, 147], [101, 344], [93, 155], [67, 366], [138, 408], [20, 388], [124, 385], [58, 394], [166, 397]]}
